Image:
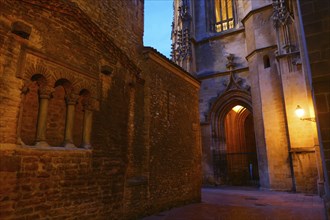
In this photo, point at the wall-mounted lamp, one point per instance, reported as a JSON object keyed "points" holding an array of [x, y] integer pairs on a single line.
{"points": [[300, 112]]}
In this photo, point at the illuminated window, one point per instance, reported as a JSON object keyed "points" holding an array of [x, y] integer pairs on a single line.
{"points": [[224, 16]]}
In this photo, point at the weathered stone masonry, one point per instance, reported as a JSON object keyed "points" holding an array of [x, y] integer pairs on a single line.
{"points": [[91, 125], [268, 77]]}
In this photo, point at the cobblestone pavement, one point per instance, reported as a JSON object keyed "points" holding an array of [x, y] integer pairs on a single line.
{"points": [[246, 203]]}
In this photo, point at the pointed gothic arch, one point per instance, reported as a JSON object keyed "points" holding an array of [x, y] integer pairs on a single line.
{"points": [[224, 103], [225, 154]]}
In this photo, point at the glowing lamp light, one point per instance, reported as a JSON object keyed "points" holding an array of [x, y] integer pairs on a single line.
{"points": [[300, 112]]}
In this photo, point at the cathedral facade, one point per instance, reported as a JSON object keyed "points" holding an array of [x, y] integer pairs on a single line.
{"points": [[253, 60]]}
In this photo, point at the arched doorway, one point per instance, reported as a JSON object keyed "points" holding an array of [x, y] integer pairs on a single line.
{"points": [[233, 140], [241, 155]]}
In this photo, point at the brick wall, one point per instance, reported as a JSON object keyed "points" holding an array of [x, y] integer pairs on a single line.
{"points": [[59, 184], [78, 124], [174, 131], [56, 117], [121, 20], [30, 115], [140, 162], [316, 20]]}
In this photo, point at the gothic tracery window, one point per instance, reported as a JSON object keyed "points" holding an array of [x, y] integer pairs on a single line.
{"points": [[224, 15]]}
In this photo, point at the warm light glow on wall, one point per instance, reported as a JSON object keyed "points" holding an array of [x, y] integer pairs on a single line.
{"points": [[237, 108], [299, 111]]}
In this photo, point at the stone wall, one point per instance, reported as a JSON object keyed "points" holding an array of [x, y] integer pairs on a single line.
{"points": [[82, 135], [282, 85], [212, 54], [267, 65]]}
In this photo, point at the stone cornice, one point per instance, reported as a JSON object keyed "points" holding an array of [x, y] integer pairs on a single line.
{"points": [[217, 74], [69, 8], [272, 47], [152, 54], [254, 11], [218, 36], [302, 150]]}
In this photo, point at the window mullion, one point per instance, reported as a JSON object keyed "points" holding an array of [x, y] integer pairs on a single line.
{"points": [[220, 10], [232, 9], [227, 17]]}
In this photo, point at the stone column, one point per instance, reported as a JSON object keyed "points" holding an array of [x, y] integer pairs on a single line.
{"points": [[71, 101], [44, 96], [19, 140], [87, 125]]}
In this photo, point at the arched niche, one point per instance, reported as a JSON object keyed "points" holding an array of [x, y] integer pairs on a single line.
{"points": [[30, 106], [57, 112], [84, 96]]}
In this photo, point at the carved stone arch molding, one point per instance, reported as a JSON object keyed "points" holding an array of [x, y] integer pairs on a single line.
{"points": [[59, 75], [42, 79], [34, 69], [219, 110], [54, 71], [91, 88], [93, 100], [72, 9], [37, 77]]}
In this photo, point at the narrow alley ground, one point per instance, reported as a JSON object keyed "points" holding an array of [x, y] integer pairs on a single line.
{"points": [[246, 203]]}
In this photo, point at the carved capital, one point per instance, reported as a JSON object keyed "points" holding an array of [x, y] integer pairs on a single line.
{"points": [[45, 92], [25, 89], [90, 104], [71, 98], [140, 81]]}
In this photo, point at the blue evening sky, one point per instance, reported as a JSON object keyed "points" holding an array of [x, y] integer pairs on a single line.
{"points": [[158, 16]]}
